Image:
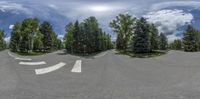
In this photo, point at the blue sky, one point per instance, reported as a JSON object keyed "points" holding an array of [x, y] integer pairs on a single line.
{"points": [[170, 16]]}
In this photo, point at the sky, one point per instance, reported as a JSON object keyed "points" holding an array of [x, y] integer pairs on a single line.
{"points": [[170, 16]]}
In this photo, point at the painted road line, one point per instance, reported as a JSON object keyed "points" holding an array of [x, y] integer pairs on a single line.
{"points": [[77, 67], [23, 59], [49, 69], [18, 58], [101, 55], [11, 55], [32, 63]]}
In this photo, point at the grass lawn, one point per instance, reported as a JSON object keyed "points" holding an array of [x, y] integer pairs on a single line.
{"points": [[32, 53], [142, 55]]}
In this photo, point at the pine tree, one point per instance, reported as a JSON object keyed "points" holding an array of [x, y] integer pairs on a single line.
{"points": [[176, 45], [47, 31], [69, 37], [15, 37], [163, 43], [2, 41], [189, 40], [86, 37], [154, 37], [141, 37], [76, 37], [124, 26]]}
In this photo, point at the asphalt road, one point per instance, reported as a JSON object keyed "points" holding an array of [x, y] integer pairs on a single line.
{"points": [[175, 75]]}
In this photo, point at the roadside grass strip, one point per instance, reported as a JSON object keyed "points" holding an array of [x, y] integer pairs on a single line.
{"points": [[101, 55], [77, 67], [49, 69], [18, 58], [32, 63]]}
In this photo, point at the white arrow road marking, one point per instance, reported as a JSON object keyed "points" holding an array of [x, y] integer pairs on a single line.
{"points": [[49, 69], [32, 63], [18, 58], [77, 67]]}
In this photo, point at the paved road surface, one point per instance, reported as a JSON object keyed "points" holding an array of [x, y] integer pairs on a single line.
{"points": [[175, 75]]}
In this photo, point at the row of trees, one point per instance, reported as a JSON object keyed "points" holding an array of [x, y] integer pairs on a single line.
{"points": [[29, 35], [2, 41], [190, 41], [86, 37], [137, 34]]}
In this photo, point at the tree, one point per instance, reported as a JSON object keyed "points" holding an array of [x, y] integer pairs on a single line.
{"points": [[38, 44], [47, 31], [2, 41], [141, 37], [197, 35], [68, 39], [76, 37], [124, 26], [176, 45], [15, 37], [154, 38], [29, 28], [86, 37], [163, 43], [190, 40]]}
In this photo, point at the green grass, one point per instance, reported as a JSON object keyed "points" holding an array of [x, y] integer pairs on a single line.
{"points": [[32, 53], [142, 55]]}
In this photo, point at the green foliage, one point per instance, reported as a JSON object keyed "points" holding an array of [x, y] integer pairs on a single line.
{"points": [[28, 30], [123, 25], [2, 41], [69, 37], [29, 35], [38, 44], [47, 30], [86, 37], [176, 45], [142, 43], [154, 37], [15, 37], [190, 40], [163, 43]]}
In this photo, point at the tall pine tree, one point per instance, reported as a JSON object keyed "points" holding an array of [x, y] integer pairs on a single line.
{"points": [[141, 37], [189, 40]]}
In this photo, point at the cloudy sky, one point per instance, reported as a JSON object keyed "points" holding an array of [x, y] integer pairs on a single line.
{"points": [[170, 16]]}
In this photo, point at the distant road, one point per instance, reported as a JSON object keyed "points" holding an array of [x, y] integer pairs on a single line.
{"points": [[175, 75]]}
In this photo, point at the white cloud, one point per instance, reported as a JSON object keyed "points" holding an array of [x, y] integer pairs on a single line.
{"points": [[4, 5], [7, 39], [167, 21], [60, 37], [11, 26], [158, 6], [173, 37]]}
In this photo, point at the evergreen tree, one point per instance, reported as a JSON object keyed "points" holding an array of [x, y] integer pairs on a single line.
{"points": [[154, 37], [47, 31], [190, 40], [124, 26], [76, 37], [86, 37], [38, 44], [69, 37], [176, 45], [141, 37], [15, 37], [2, 41], [163, 42]]}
